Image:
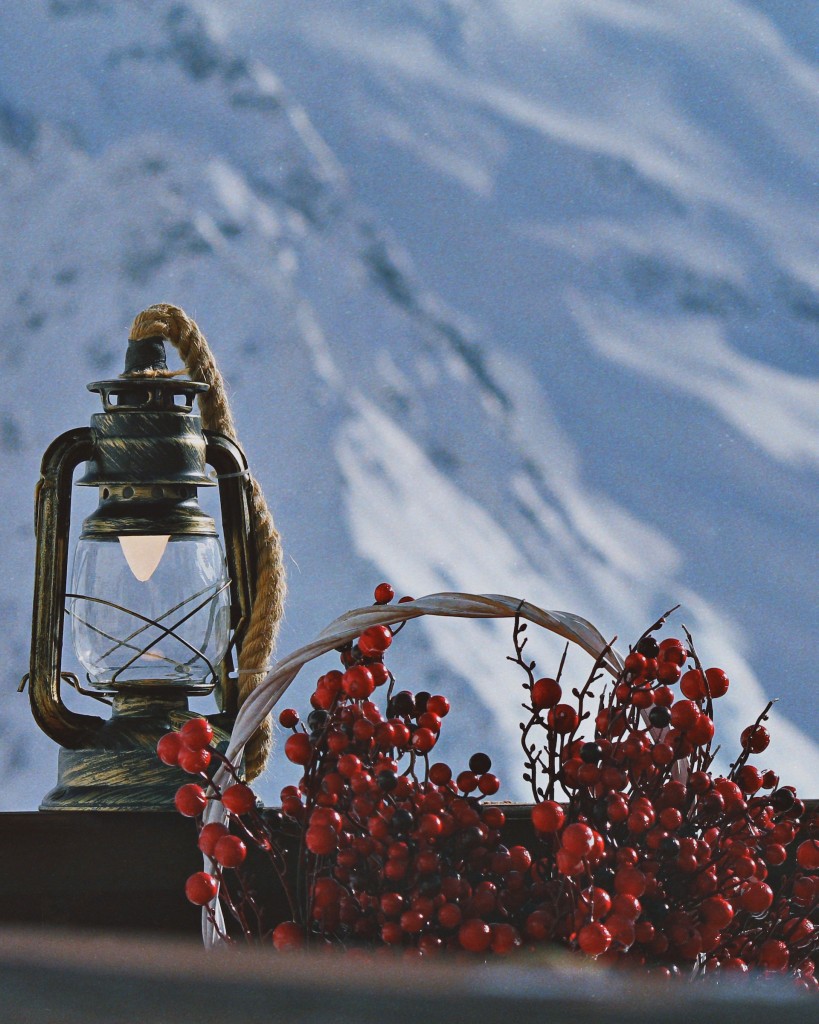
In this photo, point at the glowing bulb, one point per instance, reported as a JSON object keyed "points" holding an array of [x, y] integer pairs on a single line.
{"points": [[143, 554]]}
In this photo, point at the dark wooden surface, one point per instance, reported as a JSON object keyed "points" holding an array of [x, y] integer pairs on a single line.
{"points": [[117, 869], [80, 978]]}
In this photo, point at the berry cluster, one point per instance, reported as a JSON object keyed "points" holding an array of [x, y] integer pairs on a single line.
{"points": [[666, 862], [640, 854]]}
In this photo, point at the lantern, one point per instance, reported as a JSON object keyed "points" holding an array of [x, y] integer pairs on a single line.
{"points": [[156, 606]]}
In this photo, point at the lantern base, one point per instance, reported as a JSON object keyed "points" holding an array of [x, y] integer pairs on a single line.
{"points": [[118, 770]]}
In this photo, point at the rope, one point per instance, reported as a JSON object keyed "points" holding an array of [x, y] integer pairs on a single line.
{"points": [[268, 604]]}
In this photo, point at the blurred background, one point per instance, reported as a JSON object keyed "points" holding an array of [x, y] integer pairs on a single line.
{"points": [[512, 296]]}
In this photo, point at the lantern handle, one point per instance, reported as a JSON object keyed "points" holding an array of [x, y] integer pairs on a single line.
{"points": [[52, 520], [232, 475]]}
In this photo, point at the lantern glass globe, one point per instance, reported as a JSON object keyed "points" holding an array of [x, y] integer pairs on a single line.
{"points": [[150, 609]]}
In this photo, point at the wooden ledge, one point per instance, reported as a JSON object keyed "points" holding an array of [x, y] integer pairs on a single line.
{"points": [[52, 977]]}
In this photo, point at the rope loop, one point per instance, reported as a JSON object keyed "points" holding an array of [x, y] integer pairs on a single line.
{"points": [[171, 322]]}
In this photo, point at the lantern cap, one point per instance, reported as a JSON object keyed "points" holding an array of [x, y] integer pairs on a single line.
{"points": [[148, 394], [145, 354]]}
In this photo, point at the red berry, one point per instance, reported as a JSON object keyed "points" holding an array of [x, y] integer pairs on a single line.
{"points": [[428, 720], [475, 935], [190, 800], [546, 693], [391, 933], [672, 650], [756, 897], [489, 784], [438, 705], [288, 935], [379, 672], [548, 816], [807, 854], [384, 593], [668, 672], [635, 663], [168, 748], [289, 718], [423, 740], [209, 835], [773, 955], [562, 718], [663, 697], [692, 684], [578, 839], [717, 682], [201, 888], [358, 682], [229, 851], [196, 733], [321, 839], [194, 761], [630, 881], [440, 773], [505, 939], [348, 765], [298, 748], [239, 799], [755, 738], [594, 939], [326, 816], [717, 911], [702, 731], [749, 779], [684, 714], [467, 782], [375, 640]]}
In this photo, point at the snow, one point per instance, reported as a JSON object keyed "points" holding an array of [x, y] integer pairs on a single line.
{"points": [[510, 296]]}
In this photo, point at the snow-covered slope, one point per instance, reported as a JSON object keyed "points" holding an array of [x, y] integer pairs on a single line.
{"points": [[512, 297]]}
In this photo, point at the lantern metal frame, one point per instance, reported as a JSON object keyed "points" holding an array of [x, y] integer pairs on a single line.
{"points": [[147, 453]]}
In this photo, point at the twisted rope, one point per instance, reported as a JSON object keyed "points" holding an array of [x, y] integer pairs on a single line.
{"points": [[173, 323]]}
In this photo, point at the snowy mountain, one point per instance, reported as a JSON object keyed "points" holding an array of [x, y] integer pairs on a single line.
{"points": [[512, 297]]}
